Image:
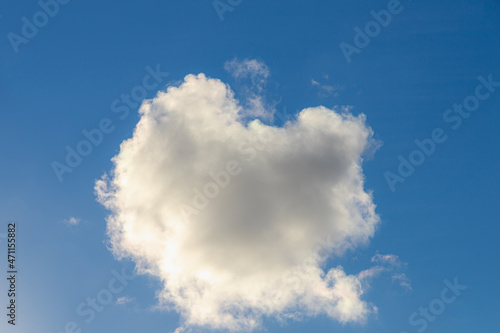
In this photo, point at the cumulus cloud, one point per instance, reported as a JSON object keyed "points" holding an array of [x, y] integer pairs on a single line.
{"points": [[237, 219]]}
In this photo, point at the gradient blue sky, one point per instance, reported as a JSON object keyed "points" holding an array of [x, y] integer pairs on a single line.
{"points": [[442, 221]]}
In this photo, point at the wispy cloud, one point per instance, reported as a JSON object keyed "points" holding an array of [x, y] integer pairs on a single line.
{"points": [[392, 263], [390, 259], [72, 221], [254, 69], [326, 90], [402, 280], [123, 300], [252, 76]]}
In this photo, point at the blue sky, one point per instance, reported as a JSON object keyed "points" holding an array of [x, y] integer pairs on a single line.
{"points": [[441, 221]]}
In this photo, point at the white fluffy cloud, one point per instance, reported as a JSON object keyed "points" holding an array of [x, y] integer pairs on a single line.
{"points": [[237, 219]]}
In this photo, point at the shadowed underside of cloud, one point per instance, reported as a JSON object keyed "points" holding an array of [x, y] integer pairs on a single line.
{"points": [[255, 247]]}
